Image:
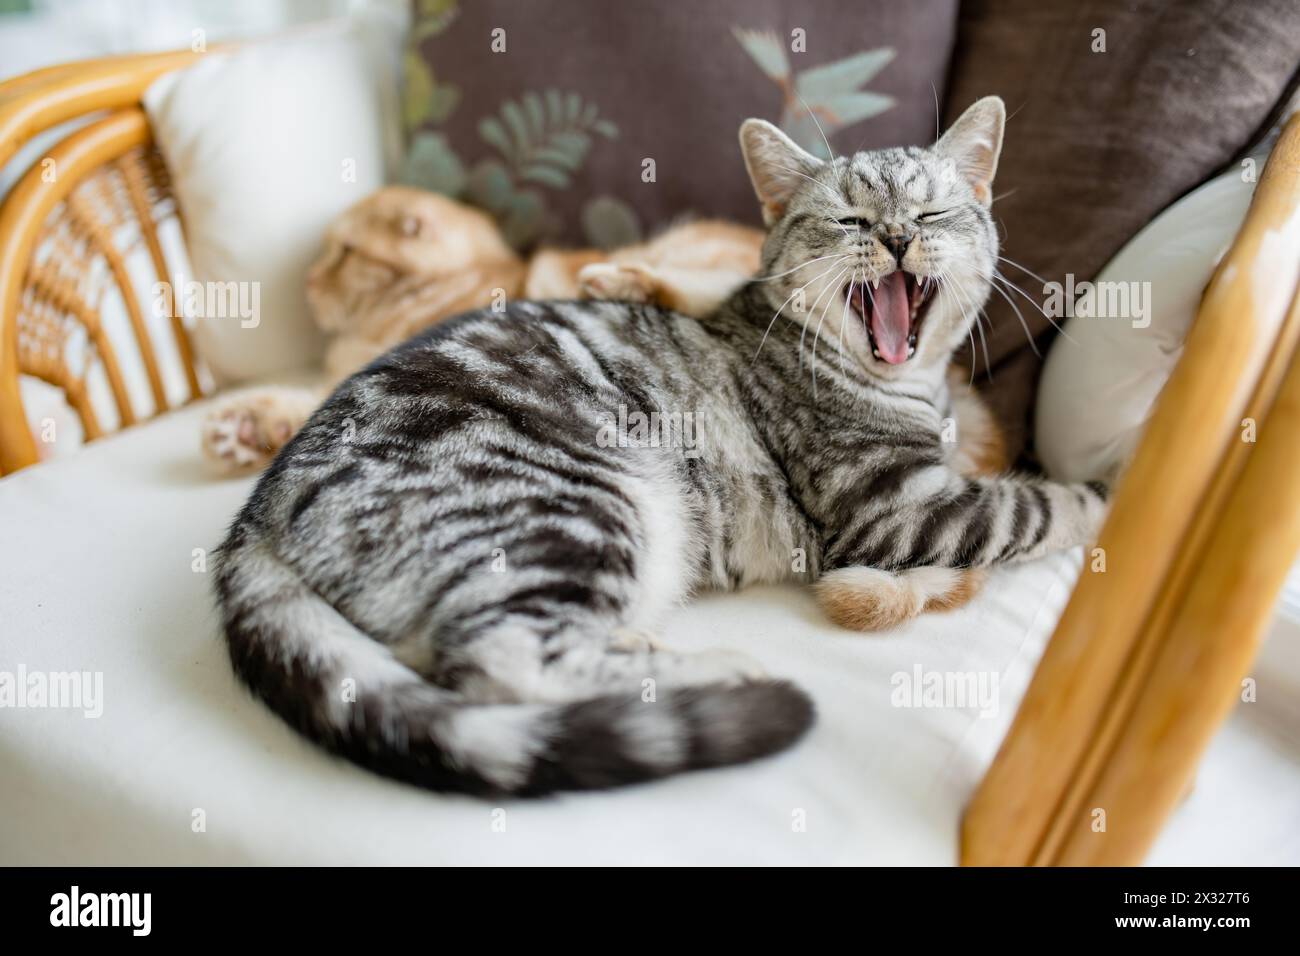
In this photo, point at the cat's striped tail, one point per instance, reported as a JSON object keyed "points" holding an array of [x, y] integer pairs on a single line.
{"points": [[344, 690]]}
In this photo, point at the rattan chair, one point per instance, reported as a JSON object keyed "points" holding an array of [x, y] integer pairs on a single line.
{"points": [[97, 194], [1148, 658]]}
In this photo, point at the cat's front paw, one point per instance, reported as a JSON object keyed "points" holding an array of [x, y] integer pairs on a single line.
{"points": [[246, 431], [618, 283]]}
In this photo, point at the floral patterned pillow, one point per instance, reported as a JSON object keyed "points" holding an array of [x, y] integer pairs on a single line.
{"points": [[587, 122]]}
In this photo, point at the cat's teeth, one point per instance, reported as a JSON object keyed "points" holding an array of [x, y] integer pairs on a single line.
{"points": [[875, 283], [876, 352], [911, 350]]}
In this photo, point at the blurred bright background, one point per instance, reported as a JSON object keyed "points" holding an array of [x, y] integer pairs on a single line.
{"points": [[36, 33]]}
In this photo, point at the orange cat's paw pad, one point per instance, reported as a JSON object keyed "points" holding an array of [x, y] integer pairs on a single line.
{"points": [[229, 438], [619, 283], [244, 434]]}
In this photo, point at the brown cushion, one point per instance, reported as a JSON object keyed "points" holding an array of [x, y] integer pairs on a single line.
{"points": [[551, 135], [1098, 143]]}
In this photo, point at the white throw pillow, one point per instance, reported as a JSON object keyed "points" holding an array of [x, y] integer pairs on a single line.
{"points": [[1103, 375], [266, 144]]}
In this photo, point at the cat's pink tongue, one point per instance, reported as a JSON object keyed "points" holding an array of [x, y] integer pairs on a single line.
{"points": [[891, 318]]}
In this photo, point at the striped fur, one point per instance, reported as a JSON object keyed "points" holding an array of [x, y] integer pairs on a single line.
{"points": [[449, 572], [881, 600]]}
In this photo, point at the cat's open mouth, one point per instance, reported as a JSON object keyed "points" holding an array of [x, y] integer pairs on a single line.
{"points": [[892, 311]]}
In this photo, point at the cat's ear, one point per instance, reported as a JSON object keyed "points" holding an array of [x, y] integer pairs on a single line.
{"points": [[776, 165], [974, 143]]}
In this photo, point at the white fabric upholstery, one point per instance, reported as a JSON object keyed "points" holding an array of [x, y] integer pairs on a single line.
{"points": [[95, 575]]}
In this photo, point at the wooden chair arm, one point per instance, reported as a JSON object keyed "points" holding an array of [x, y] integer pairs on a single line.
{"points": [[44, 98], [1148, 657], [93, 197]]}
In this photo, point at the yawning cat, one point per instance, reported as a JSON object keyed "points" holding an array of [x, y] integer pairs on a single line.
{"points": [[449, 574]]}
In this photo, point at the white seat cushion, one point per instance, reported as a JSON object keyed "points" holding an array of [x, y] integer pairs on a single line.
{"points": [[95, 575]]}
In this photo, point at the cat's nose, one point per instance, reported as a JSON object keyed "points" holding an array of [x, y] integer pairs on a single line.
{"points": [[897, 244]]}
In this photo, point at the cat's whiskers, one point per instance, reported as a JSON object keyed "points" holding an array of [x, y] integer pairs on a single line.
{"points": [[970, 334], [830, 154], [803, 335], [988, 363], [845, 316], [813, 116], [972, 318], [816, 182], [817, 336], [830, 192], [1032, 274], [938, 131], [777, 313], [1029, 272], [997, 275], [833, 255], [941, 280], [1019, 315]]}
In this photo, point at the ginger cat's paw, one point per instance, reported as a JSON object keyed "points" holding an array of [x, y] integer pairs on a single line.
{"points": [[229, 438], [614, 282], [248, 428]]}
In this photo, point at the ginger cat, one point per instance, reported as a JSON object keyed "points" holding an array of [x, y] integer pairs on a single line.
{"points": [[404, 259]]}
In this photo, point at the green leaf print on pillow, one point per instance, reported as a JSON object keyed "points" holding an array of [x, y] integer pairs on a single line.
{"points": [[537, 145], [608, 223], [542, 139], [521, 213], [832, 92], [431, 164], [432, 17], [425, 100]]}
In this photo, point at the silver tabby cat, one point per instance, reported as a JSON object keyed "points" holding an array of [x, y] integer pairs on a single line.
{"points": [[447, 576]]}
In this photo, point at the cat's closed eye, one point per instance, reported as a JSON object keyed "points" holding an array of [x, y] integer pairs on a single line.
{"points": [[858, 221], [931, 216]]}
